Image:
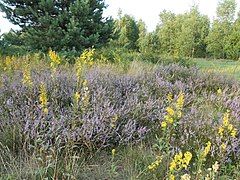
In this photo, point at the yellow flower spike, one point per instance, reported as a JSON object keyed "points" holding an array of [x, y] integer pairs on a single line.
{"points": [[171, 177], [220, 131], [219, 91], [207, 149], [173, 166], [179, 114], [185, 177], [215, 167], [155, 164], [187, 157], [27, 80], [113, 121], [77, 97], [55, 59], [85, 83], [180, 101], [45, 110], [113, 152], [170, 97], [227, 127], [223, 146], [163, 124], [230, 127], [233, 133], [226, 119], [170, 111], [169, 119], [43, 98]]}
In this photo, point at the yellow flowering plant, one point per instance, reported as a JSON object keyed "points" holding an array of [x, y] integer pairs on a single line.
{"points": [[83, 62], [179, 162], [201, 157], [174, 111], [154, 165], [225, 132], [27, 80], [55, 60], [85, 95], [226, 129], [43, 98]]}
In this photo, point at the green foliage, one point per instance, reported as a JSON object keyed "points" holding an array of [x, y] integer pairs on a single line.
{"points": [[11, 44], [126, 32], [60, 25], [223, 39], [232, 45], [166, 31], [183, 34], [226, 10]]}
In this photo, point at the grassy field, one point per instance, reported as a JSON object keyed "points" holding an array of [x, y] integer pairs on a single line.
{"points": [[227, 67], [125, 120]]}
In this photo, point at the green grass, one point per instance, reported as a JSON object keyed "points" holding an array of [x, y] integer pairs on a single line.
{"points": [[227, 67]]}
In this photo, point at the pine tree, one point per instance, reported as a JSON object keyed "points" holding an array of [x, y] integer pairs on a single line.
{"points": [[61, 24]]}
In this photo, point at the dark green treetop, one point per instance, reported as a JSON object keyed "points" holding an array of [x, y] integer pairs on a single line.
{"points": [[59, 24]]}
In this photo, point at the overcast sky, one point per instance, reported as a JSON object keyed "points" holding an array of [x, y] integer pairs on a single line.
{"points": [[147, 10]]}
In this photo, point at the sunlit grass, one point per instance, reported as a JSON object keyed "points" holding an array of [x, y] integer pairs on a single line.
{"points": [[227, 67]]}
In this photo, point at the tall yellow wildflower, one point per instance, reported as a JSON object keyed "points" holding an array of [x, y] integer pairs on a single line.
{"points": [[55, 59], [85, 60], [179, 104], [43, 98], [153, 166], [27, 80], [206, 150], [180, 161], [227, 129], [174, 111], [85, 94], [8, 63]]}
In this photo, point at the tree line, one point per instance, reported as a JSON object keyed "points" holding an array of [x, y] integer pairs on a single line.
{"points": [[75, 25]]}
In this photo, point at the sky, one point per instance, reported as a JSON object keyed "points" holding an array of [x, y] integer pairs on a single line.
{"points": [[147, 10]]}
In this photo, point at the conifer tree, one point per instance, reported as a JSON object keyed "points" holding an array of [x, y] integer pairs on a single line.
{"points": [[59, 24]]}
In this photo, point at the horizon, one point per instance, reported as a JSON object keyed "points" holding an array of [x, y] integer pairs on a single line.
{"points": [[148, 11]]}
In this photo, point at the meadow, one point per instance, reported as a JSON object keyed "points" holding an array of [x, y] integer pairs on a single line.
{"points": [[227, 67], [96, 119]]}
